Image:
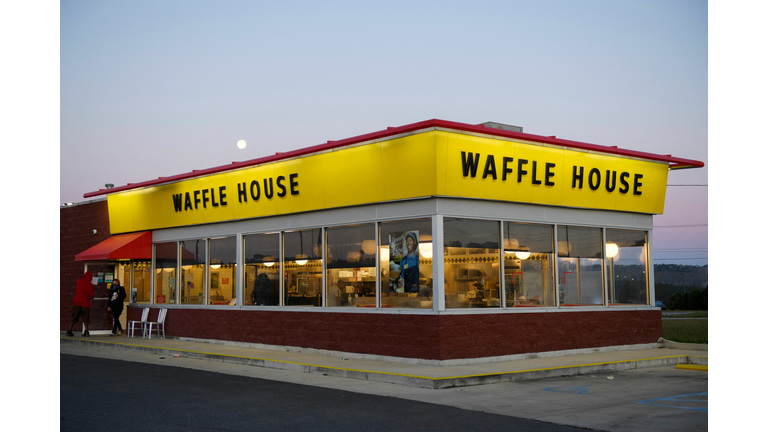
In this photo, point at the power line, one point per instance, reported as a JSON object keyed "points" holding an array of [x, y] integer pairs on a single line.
{"points": [[678, 259], [688, 185], [681, 226]]}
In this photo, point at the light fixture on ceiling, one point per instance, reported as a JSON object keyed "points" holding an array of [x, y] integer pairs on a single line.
{"points": [[425, 249]]}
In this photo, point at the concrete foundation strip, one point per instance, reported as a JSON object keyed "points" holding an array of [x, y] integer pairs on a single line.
{"points": [[680, 361]]}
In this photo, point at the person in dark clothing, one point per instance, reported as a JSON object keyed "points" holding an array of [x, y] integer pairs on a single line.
{"points": [[409, 265], [116, 298], [262, 290]]}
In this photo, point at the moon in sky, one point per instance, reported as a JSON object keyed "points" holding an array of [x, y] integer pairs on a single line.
{"points": [[241, 144]]}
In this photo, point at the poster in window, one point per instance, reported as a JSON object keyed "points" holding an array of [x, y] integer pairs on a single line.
{"points": [[404, 262]]}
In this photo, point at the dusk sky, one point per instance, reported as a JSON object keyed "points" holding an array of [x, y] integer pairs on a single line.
{"points": [[150, 89]]}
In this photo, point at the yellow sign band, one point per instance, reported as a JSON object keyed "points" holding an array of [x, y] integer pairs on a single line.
{"points": [[432, 163]]}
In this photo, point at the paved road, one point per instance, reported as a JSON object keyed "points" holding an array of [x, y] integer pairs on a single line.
{"points": [[659, 399], [103, 394]]}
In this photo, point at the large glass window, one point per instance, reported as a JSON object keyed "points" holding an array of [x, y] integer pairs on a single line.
{"points": [[136, 277], [192, 271], [351, 266], [627, 256], [528, 265], [165, 272], [579, 265], [222, 283], [472, 255], [303, 267], [261, 255], [406, 264]]}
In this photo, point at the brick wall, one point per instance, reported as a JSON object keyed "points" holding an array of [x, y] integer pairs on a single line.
{"points": [[435, 337], [76, 224]]}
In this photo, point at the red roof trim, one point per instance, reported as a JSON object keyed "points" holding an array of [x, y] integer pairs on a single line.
{"points": [[673, 161]]}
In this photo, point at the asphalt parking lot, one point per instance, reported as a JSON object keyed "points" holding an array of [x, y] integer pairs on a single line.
{"points": [[659, 399]]}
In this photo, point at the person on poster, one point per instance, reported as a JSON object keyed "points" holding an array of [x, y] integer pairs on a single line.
{"points": [[409, 265], [81, 304], [117, 296]]}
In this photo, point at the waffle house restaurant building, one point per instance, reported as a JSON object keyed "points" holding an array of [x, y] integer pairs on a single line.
{"points": [[435, 240]]}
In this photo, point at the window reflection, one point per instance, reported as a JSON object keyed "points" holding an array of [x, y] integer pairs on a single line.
{"points": [[192, 271], [136, 277], [222, 272], [405, 253], [528, 255], [627, 256], [472, 255], [262, 267], [302, 263], [351, 266], [165, 272], [579, 262]]}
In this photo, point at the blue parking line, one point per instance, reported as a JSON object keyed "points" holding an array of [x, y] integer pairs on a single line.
{"points": [[678, 398], [576, 390]]}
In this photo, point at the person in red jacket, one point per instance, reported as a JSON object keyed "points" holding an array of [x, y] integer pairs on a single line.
{"points": [[81, 305]]}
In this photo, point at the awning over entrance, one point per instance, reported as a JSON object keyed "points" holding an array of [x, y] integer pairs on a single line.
{"points": [[125, 246]]}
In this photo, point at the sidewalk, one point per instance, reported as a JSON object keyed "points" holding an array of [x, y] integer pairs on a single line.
{"points": [[402, 373]]}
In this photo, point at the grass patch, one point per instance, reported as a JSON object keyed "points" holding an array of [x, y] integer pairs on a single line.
{"points": [[685, 330]]}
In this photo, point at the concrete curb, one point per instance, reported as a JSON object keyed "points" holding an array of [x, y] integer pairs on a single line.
{"points": [[404, 379], [680, 345]]}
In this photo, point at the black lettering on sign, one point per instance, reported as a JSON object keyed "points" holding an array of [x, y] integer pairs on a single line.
{"points": [[578, 177], [610, 185], [520, 171], [197, 199], [213, 198], [269, 190], [490, 167], [533, 177], [594, 184], [549, 174], [506, 170], [177, 202], [624, 185], [256, 195], [187, 202], [223, 195], [468, 164], [294, 184], [280, 180], [637, 190], [242, 195]]}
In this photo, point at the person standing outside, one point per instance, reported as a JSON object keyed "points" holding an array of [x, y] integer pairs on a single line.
{"points": [[81, 305], [117, 296], [409, 265]]}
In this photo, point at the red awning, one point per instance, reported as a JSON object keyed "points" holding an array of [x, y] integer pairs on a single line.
{"points": [[125, 246]]}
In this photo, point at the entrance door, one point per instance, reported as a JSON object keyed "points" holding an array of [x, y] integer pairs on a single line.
{"points": [[101, 318]]}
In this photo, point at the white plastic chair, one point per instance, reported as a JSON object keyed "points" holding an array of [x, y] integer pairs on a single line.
{"points": [[160, 324], [132, 324]]}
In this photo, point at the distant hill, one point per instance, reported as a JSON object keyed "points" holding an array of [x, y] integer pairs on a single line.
{"points": [[676, 278], [683, 275]]}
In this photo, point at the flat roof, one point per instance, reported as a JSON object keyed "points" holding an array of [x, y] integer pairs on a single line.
{"points": [[674, 162]]}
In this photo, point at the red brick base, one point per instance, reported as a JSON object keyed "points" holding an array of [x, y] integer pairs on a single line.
{"points": [[435, 337]]}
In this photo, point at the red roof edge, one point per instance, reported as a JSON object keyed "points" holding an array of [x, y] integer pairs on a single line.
{"points": [[674, 162]]}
